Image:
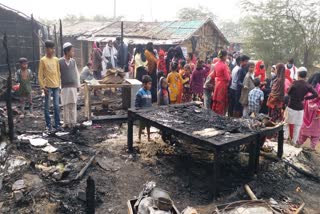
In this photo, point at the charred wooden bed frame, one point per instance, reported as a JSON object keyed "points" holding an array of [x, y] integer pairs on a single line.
{"points": [[254, 140]]}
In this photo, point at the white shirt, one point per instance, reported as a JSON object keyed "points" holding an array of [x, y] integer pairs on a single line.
{"points": [[110, 52], [234, 77]]}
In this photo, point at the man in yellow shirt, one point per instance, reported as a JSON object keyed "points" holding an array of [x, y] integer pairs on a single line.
{"points": [[50, 81]]}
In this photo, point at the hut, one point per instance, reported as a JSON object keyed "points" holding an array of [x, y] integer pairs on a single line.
{"points": [[201, 37]]}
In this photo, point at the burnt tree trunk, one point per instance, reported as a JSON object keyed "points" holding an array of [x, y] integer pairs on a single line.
{"points": [[9, 87]]}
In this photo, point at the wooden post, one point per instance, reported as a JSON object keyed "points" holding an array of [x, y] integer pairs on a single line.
{"points": [[121, 46], [90, 196], [130, 132], [55, 38], [9, 87], [61, 39], [33, 48], [216, 172], [280, 143]]}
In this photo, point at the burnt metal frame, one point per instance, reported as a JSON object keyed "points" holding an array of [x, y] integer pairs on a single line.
{"points": [[254, 141]]}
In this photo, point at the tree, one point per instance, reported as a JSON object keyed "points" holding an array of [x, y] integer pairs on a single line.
{"points": [[279, 29], [189, 13]]}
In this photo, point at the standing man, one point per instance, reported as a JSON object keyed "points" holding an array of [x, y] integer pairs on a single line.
{"points": [[240, 78], [70, 82], [49, 80], [293, 69], [233, 88], [110, 55]]}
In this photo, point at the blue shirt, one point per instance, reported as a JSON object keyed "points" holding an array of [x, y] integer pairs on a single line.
{"points": [[143, 99], [256, 96]]}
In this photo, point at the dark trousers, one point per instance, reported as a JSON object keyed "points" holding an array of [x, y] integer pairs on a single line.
{"points": [[97, 75], [232, 95], [141, 71]]}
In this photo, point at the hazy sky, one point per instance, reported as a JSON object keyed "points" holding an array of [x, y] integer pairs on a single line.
{"points": [[130, 9]]}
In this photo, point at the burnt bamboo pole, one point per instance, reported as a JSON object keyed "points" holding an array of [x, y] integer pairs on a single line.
{"points": [[9, 86], [33, 48], [61, 39], [122, 51], [55, 38]]}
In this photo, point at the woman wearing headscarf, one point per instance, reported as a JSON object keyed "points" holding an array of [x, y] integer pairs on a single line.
{"points": [[140, 63], [311, 118], [178, 55], [169, 57], [222, 79], [152, 69], [276, 98], [162, 63], [260, 71], [97, 60]]}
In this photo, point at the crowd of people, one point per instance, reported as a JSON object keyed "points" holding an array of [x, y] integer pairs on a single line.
{"points": [[229, 84]]}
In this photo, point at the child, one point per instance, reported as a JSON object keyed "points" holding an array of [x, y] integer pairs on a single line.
{"points": [[24, 77], [197, 79], [186, 94], [255, 98], [163, 94], [173, 81], [247, 87], [144, 100], [50, 82], [297, 94]]}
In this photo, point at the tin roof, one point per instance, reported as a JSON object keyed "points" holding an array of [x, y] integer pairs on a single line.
{"points": [[19, 13], [168, 32]]}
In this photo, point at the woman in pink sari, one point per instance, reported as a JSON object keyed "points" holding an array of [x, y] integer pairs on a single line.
{"points": [[311, 118]]}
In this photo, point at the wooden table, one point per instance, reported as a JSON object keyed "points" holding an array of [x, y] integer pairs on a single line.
{"points": [[216, 144]]}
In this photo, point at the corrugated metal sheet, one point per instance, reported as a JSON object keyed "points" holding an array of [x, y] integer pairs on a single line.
{"points": [[173, 31]]}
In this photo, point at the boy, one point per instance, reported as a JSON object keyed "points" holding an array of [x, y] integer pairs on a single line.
{"points": [[24, 77], [69, 83], [247, 86], [144, 100], [49, 81], [297, 94], [255, 98], [86, 73]]}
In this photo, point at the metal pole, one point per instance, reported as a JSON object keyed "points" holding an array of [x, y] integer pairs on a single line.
{"points": [[61, 39], [33, 48], [121, 46]]}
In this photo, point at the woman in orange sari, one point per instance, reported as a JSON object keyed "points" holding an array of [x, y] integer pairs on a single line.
{"points": [[152, 69], [222, 79]]}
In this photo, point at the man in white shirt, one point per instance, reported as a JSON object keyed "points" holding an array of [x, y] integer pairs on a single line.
{"points": [[109, 55], [233, 87], [293, 69]]}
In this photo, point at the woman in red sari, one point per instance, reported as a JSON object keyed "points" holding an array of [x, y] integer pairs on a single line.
{"points": [[222, 79]]}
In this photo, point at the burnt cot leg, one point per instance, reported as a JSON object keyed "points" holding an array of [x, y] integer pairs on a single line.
{"points": [[252, 154], [130, 133], [257, 153], [216, 173], [280, 143]]}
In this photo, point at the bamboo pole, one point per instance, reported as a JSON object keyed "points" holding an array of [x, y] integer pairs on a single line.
{"points": [[61, 39], [9, 87]]}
